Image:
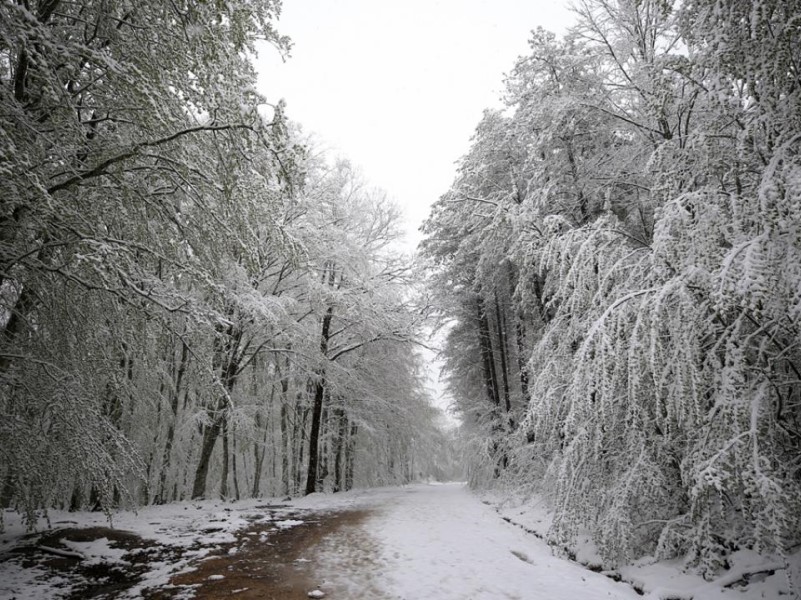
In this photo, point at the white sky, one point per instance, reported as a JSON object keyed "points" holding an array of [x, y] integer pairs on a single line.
{"points": [[398, 87]]}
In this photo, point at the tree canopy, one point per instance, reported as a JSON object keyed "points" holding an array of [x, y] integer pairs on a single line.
{"points": [[193, 301]]}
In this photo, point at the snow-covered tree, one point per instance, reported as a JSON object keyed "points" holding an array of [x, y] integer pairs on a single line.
{"points": [[170, 251], [647, 207]]}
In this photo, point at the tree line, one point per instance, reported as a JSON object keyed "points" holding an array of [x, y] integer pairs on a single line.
{"points": [[194, 300], [617, 267]]}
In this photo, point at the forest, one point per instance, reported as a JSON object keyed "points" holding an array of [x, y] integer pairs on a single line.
{"points": [[617, 270], [196, 301]]}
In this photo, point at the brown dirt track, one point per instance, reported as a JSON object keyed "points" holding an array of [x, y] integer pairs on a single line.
{"points": [[265, 562]]}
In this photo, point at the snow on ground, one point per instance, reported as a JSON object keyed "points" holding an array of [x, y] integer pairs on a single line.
{"points": [[97, 551], [18, 583], [416, 542], [667, 579], [191, 529], [180, 523], [441, 541]]}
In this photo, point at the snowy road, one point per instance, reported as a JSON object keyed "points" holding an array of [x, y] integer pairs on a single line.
{"points": [[439, 541], [417, 542]]}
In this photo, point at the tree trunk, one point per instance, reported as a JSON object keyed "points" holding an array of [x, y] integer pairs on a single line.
{"points": [[225, 461], [350, 456], [522, 364], [226, 360], [502, 349], [210, 435], [317, 407], [487, 358], [168, 443], [8, 489], [339, 447], [237, 495], [300, 440], [13, 326], [325, 442], [258, 460], [286, 476], [145, 496], [314, 434], [258, 456], [490, 382]]}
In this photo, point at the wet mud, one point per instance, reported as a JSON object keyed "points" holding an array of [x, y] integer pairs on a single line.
{"points": [[93, 580], [269, 560]]}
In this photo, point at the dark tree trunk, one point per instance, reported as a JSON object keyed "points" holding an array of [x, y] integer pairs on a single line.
{"points": [[258, 461], [175, 395], [314, 434], [520, 334], [76, 499], [350, 456], [502, 349], [227, 359], [487, 358], [325, 442], [258, 455], [341, 426], [539, 294], [522, 364], [225, 461], [8, 489], [15, 323], [286, 475], [237, 495], [317, 406], [300, 440], [490, 382], [210, 435]]}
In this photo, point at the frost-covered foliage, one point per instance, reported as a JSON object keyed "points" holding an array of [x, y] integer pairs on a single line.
{"points": [[191, 304], [650, 208]]}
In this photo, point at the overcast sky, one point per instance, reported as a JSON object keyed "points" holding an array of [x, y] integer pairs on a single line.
{"points": [[399, 86]]}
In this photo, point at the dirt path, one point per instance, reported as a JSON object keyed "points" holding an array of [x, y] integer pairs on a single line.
{"points": [[418, 541], [413, 542], [272, 560], [275, 557]]}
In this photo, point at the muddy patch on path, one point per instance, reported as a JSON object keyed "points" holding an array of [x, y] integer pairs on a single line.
{"points": [[66, 557], [269, 560]]}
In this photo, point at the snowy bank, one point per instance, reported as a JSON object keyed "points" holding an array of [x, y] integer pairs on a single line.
{"points": [[750, 575]]}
